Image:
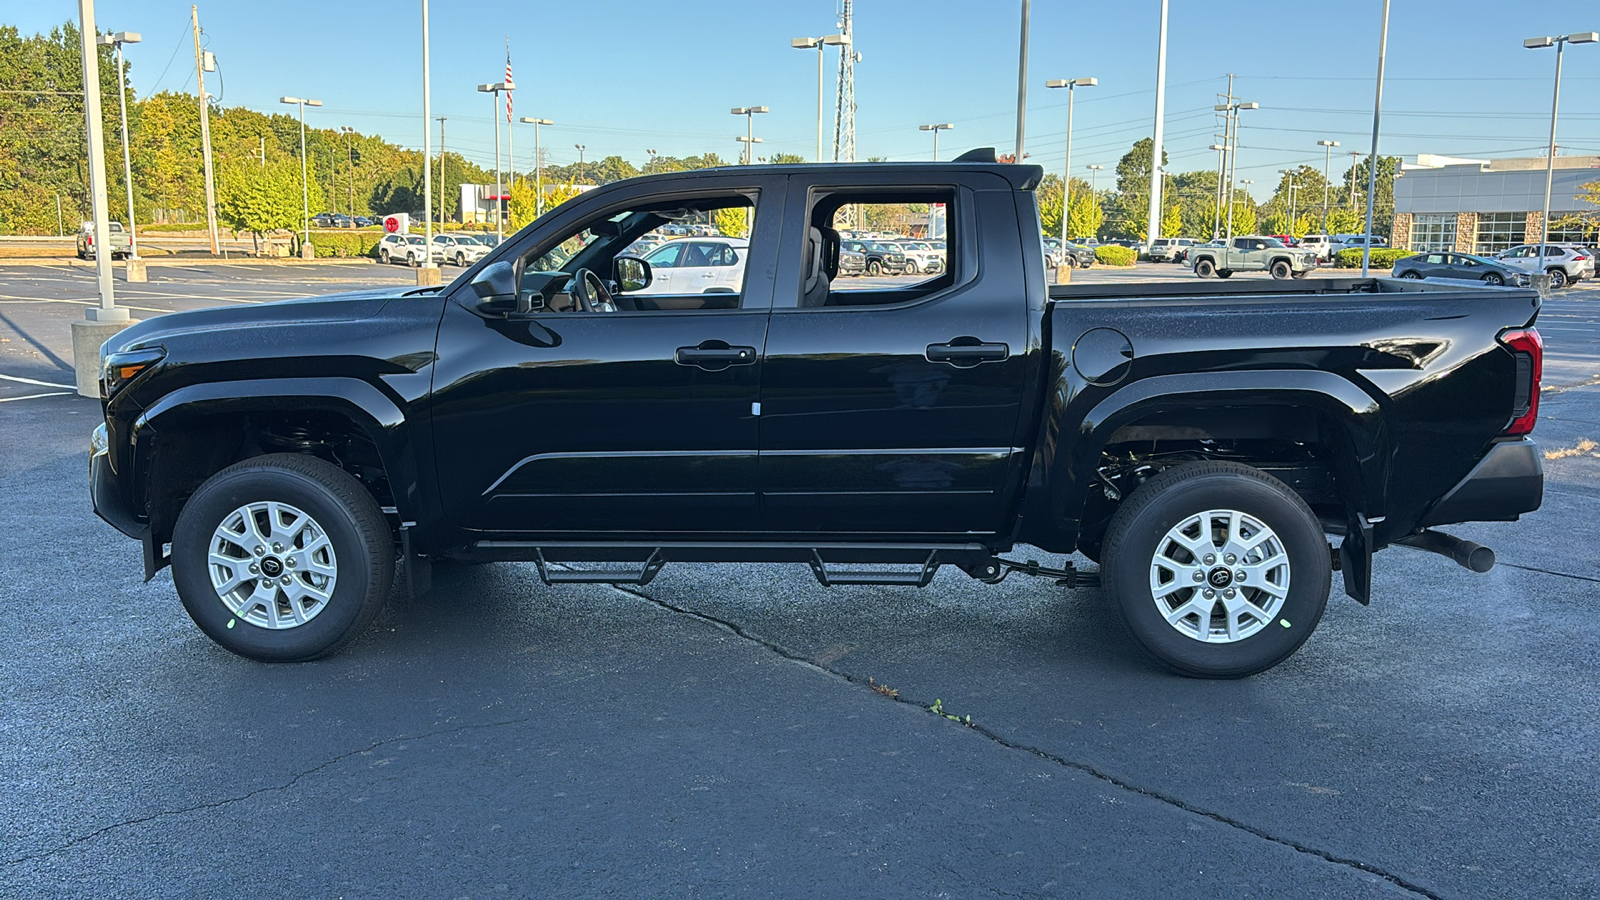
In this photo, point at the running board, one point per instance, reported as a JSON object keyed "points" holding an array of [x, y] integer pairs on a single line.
{"points": [[920, 578], [645, 574]]}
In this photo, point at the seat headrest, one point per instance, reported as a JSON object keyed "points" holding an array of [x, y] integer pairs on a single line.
{"points": [[830, 251], [813, 258]]}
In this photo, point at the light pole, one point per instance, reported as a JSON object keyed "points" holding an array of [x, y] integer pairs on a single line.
{"points": [[305, 196], [350, 170], [942, 126], [580, 148], [432, 275], [441, 175], [1216, 217], [1372, 158], [821, 44], [1022, 80], [1327, 160], [1560, 42], [1094, 183], [494, 91], [749, 147], [538, 164], [1156, 152], [105, 320], [117, 40], [1232, 109], [749, 140], [1072, 85], [1292, 188]]}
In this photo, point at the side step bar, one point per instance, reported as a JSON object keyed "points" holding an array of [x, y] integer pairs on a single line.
{"points": [[644, 561]]}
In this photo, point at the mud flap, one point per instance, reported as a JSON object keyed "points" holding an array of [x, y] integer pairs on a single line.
{"points": [[416, 571], [1355, 559]]}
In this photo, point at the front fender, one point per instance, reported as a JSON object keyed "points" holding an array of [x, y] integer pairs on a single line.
{"points": [[1065, 469]]}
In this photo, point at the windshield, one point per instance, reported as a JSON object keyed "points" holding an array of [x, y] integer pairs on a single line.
{"points": [[881, 248]]}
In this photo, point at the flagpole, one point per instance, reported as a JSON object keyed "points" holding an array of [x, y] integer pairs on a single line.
{"points": [[511, 131]]}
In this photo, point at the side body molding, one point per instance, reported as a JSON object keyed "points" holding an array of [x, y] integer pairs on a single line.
{"points": [[1064, 467]]}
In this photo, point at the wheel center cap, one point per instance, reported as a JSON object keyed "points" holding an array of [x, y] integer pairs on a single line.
{"points": [[1220, 577], [271, 567]]}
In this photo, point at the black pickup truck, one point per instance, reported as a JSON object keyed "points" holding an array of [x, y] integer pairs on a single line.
{"points": [[1219, 450]]}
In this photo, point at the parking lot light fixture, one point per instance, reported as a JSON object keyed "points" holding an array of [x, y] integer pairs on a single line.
{"points": [[1232, 149], [749, 113], [493, 90], [1372, 157], [936, 128], [749, 147], [1292, 188], [1327, 160], [820, 44], [1216, 217], [1560, 42], [538, 164], [1072, 85], [305, 195], [116, 40]]}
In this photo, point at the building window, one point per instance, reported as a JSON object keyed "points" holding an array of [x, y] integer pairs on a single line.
{"points": [[1573, 230], [1433, 233], [1500, 231]]}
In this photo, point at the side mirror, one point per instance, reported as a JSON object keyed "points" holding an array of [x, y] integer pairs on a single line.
{"points": [[496, 287], [633, 273]]}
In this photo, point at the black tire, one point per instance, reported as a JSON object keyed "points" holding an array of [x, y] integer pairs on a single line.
{"points": [[82, 255], [1224, 273], [1204, 268], [461, 260], [342, 508], [1142, 523], [1281, 269], [910, 269], [383, 257], [1558, 276], [1412, 274], [874, 268], [1495, 279], [1302, 273], [411, 260]]}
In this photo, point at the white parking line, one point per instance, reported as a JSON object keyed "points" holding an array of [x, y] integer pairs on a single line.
{"points": [[37, 396], [21, 380]]}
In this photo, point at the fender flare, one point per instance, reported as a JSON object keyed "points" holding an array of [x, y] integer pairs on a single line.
{"points": [[1362, 472], [370, 409]]}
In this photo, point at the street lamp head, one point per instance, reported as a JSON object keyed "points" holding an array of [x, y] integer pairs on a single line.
{"points": [[1085, 82], [495, 87], [747, 140], [805, 43], [1057, 83], [1582, 37], [529, 120], [942, 126], [1535, 43], [1249, 106], [289, 100], [312, 102], [1216, 147], [1327, 143], [836, 40], [120, 37], [1095, 167]]}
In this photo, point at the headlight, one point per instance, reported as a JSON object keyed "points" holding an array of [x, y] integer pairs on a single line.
{"points": [[122, 367], [99, 441]]}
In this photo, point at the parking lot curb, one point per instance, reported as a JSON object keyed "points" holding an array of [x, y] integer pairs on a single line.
{"points": [[186, 261]]}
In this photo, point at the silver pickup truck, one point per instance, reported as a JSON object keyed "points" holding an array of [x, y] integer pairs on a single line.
{"points": [[1252, 253], [121, 246]]}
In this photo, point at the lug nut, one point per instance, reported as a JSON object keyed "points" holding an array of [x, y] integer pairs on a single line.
{"points": [[1210, 558], [1239, 575], [1230, 558], [1199, 576], [1229, 593], [278, 548], [286, 581], [289, 561], [261, 551], [1210, 594], [254, 569]]}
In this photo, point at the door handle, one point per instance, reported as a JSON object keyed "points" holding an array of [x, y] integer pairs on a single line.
{"points": [[965, 352], [714, 356]]}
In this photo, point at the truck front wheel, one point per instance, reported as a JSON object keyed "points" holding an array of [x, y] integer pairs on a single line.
{"points": [[1204, 268], [1281, 269], [1219, 570], [282, 558]]}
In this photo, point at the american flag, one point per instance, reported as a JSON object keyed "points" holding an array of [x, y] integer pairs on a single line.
{"points": [[510, 82]]}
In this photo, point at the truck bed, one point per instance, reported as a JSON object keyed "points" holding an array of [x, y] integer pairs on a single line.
{"points": [[1232, 290]]}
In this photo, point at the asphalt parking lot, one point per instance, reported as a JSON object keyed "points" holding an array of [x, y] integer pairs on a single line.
{"points": [[731, 730]]}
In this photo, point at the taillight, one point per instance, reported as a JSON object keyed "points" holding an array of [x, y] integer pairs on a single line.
{"points": [[1528, 348]]}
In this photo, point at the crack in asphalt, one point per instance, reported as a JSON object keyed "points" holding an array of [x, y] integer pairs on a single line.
{"points": [[1088, 769], [1550, 572], [228, 801]]}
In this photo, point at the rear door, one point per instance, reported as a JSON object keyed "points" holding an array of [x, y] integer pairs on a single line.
{"points": [[897, 411]]}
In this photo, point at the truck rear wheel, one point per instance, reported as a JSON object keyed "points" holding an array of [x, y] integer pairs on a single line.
{"points": [[282, 558], [1219, 570], [1281, 269], [1204, 268], [1224, 273]]}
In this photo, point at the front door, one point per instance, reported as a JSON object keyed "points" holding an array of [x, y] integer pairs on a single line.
{"points": [[895, 411], [606, 424]]}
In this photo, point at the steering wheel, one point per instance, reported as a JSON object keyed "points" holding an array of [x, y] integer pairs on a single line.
{"points": [[591, 292]]}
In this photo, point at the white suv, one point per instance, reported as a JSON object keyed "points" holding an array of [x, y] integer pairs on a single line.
{"points": [[460, 249], [1562, 262], [697, 265], [406, 248], [1167, 249], [921, 258]]}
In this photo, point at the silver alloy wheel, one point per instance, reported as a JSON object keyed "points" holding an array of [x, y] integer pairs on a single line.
{"points": [[1219, 576], [272, 565]]}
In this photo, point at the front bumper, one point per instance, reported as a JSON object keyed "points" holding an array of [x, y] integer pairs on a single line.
{"points": [[1506, 483], [110, 505]]}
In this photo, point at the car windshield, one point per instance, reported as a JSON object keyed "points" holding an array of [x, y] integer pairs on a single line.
{"points": [[881, 248], [1272, 242], [915, 245]]}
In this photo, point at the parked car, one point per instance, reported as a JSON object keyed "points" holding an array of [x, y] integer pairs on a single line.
{"points": [[1437, 264], [1166, 249], [121, 244], [460, 249], [882, 259], [1078, 256], [1564, 263], [851, 262], [1252, 253], [1318, 244], [1201, 441], [921, 259], [364, 222], [697, 265], [1356, 242], [322, 220], [340, 220], [408, 249]]}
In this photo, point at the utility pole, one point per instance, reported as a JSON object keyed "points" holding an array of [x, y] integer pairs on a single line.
{"points": [[1022, 79], [538, 163], [428, 273], [1216, 216], [1327, 159], [1153, 225], [105, 320], [116, 41], [1372, 158], [441, 173], [1355, 160], [205, 131]]}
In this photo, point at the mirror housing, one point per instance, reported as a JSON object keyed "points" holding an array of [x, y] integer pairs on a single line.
{"points": [[633, 274], [496, 287]]}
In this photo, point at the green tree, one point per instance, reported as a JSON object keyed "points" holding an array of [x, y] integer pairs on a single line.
{"points": [[1172, 220], [732, 222], [523, 203], [1133, 169], [1244, 215], [260, 200], [1355, 182], [787, 159], [1087, 216]]}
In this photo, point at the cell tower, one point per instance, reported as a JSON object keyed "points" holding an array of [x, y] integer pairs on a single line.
{"points": [[844, 115]]}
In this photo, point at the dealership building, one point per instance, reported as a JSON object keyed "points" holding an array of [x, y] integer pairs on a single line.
{"points": [[1484, 206]]}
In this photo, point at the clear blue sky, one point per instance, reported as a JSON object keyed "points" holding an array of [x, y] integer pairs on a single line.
{"points": [[623, 75]]}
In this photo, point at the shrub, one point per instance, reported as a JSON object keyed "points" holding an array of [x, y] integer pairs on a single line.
{"points": [[173, 226], [1115, 255], [1382, 257], [345, 244]]}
